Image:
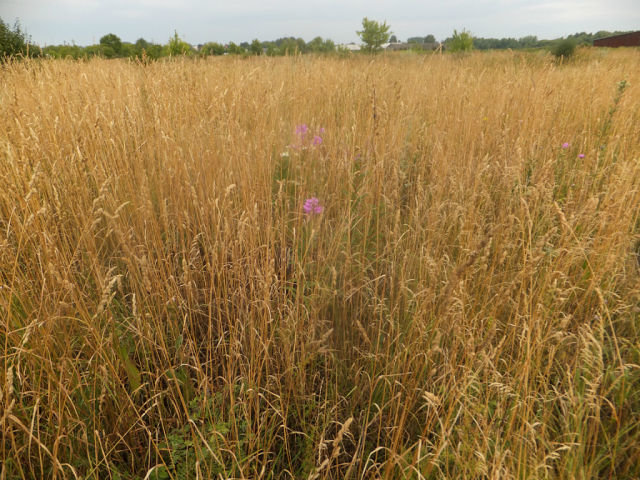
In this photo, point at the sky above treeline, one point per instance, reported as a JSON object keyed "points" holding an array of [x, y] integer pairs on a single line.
{"points": [[51, 22]]}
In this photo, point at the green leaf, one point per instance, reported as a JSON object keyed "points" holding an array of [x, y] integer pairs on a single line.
{"points": [[133, 374]]}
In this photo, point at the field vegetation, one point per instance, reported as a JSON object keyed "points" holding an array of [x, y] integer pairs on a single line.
{"points": [[407, 266]]}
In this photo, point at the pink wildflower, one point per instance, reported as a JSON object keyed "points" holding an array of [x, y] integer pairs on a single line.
{"points": [[301, 130], [312, 206]]}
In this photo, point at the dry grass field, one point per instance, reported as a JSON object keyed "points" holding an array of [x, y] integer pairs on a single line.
{"points": [[321, 268]]}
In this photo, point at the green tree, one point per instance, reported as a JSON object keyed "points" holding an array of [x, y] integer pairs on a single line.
{"points": [[144, 49], [288, 46], [142, 44], [393, 39], [234, 49], [329, 46], [315, 45], [128, 50], [460, 42], [13, 41], [301, 44], [530, 41], [177, 46], [154, 51], [318, 45], [256, 47], [70, 51], [271, 49], [212, 48], [373, 34], [111, 45], [430, 39]]}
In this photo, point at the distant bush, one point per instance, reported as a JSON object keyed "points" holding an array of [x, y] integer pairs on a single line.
{"points": [[565, 48]]}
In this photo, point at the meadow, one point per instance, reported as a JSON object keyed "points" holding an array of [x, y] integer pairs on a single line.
{"points": [[402, 266]]}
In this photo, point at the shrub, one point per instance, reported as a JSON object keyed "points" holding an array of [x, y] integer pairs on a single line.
{"points": [[565, 48], [461, 42]]}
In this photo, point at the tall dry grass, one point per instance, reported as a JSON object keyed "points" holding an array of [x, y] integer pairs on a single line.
{"points": [[466, 306]]}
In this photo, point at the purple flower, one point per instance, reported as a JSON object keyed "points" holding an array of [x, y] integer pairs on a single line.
{"points": [[565, 145], [317, 140], [312, 205], [581, 155], [301, 130]]}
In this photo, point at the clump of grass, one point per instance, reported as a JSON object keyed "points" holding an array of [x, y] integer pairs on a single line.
{"points": [[437, 288]]}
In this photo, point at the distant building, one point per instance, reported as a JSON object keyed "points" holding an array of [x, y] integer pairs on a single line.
{"points": [[392, 47], [624, 40], [353, 47]]}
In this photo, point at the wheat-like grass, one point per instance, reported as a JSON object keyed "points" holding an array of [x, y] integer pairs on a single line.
{"points": [[465, 306]]}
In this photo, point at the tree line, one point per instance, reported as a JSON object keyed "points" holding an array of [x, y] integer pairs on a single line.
{"points": [[111, 46], [531, 41], [14, 42]]}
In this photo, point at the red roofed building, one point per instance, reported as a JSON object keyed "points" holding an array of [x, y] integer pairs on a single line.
{"points": [[624, 40]]}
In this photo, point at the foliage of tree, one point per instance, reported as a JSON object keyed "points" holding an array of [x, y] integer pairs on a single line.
{"points": [[373, 35], [287, 46], [67, 51], [13, 41], [234, 49], [393, 39], [255, 47], [460, 42], [177, 46], [148, 50], [111, 45], [428, 39], [270, 49], [212, 48], [319, 45], [142, 44]]}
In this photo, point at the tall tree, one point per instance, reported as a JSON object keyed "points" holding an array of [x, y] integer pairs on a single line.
{"points": [[111, 45], [177, 46], [256, 47], [13, 41], [373, 34]]}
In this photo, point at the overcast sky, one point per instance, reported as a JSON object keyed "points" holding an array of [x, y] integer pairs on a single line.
{"points": [[199, 21]]}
